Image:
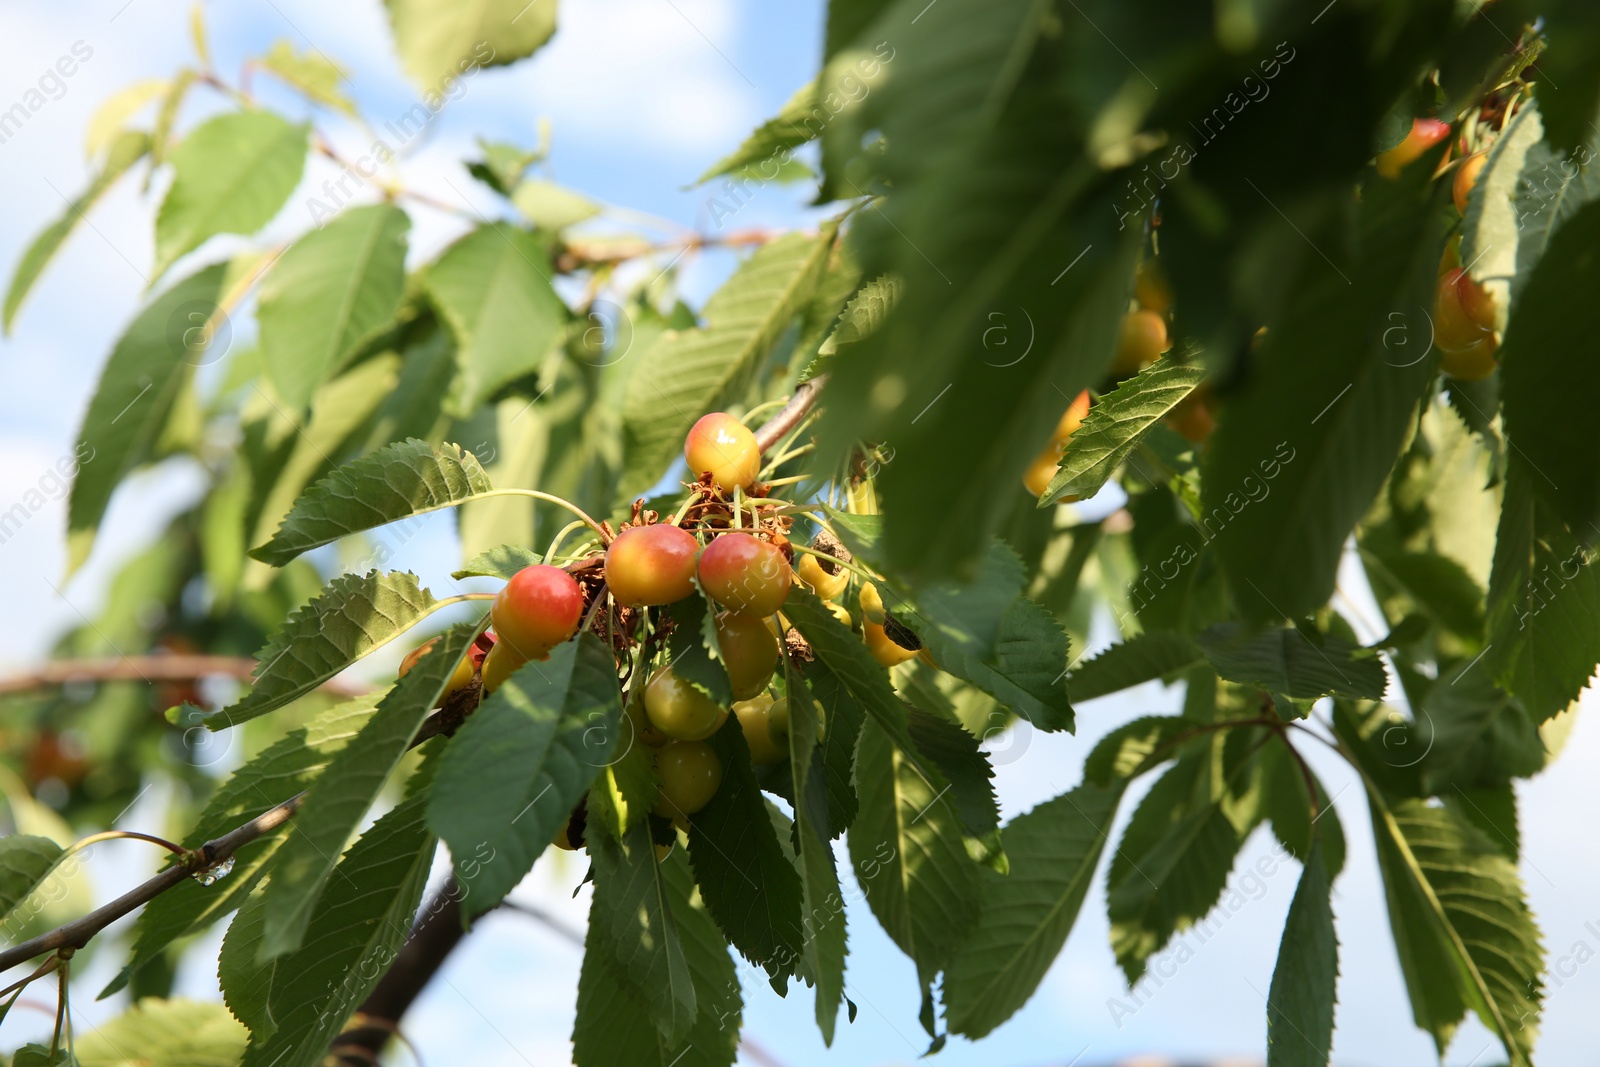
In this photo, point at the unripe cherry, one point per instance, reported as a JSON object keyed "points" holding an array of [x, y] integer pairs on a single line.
{"points": [[827, 586], [1466, 177], [690, 775], [749, 652], [1455, 324], [679, 710], [458, 678], [1042, 471], [1140, 341], [871, 604], [759, 737], [723, 445], [539, 608], [745, 574], [498, 665], [650, 565], [1150, 287]]}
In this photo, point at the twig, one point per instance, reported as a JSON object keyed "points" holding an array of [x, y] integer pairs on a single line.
{"points": [[790, 414], [76, 934], [157, 668]]}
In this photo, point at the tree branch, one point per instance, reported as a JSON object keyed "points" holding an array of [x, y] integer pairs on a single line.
{"points": [[76, 934], [157, 668], [789, 416], [432, 939]]}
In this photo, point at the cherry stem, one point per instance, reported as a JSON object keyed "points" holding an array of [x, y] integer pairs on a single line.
{"points": [[555, 543], [551, 498], [130, 835]]}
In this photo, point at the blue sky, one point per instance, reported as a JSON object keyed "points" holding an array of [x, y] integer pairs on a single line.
{"points": [[641, 95]]}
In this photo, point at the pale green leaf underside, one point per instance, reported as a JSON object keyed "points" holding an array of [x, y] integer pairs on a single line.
{"points": [[396, 482], [231, 175]]}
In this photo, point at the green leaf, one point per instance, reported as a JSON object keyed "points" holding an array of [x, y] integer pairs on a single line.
{"points": [[864, 315], [822, 907], [44, 1056], [1143, 658], [351, 618], [749, 885], [633, 927], [844, 713], [1550, 192], [982, 629], [1027, 914], [126, 150], [110, 120], [1544, 635], [339, 409], [1287, 803], [339, 799], [231, 175], [1116, 425], [955, 752], [1491, 229], [276, 774], [1301, 450], [25, 862], [772, 144], [246, 979], [164, 1033], [1136, 747], [397, 482], [502, 562], [147, 371], [690, 372], [1548, 371], [1479, 736], [313, 73], [1300, 1002], [334, 288], [1286, 660], [1170, 867], [355, 932], [440, 41], [910, 859], [552, 207], [513, 773], [613, 1023], [1001, 324], [1461, 925], [1440, 586], [693, 650], [493, 288]]}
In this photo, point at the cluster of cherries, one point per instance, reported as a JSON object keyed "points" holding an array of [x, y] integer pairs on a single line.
{"points": [[1464, 312], [653, 564]]}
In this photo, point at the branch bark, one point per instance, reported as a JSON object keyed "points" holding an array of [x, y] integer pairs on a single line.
{"points": [[162, 668], [789, 416], [432, 939]]}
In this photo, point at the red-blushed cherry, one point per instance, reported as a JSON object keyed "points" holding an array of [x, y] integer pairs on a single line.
{"points": [[1424, 134], [755, 720], [498, 665], [458, 678], [746, 574], [749, 652], [690, 775], [651, 565], [723, 445], [679, 710], [539, 608], [827, 586]]}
